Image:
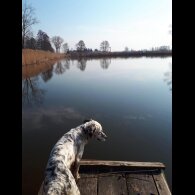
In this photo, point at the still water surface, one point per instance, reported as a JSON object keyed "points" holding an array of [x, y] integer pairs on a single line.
{"points": [[131, 98]]}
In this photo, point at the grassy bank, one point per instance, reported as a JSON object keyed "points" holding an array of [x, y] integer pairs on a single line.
{"points": [[30, 56]]}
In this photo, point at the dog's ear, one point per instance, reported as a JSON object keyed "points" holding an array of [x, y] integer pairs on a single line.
{"points": [[87, 120], [89, 129]]}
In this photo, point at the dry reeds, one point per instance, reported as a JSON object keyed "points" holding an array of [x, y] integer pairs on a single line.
{"points": [[30, 56]]}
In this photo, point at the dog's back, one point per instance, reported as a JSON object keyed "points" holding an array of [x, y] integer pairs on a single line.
{"points": [[61, 183], [58, 177]]}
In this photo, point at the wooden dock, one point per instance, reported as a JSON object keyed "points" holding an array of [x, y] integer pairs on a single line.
{"points": [[122, 178]]}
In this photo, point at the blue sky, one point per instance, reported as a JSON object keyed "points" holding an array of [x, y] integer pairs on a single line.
{"points": [[137, 24]]}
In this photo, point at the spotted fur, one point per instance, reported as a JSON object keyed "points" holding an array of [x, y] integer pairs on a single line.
{"points": [[62, 168]]}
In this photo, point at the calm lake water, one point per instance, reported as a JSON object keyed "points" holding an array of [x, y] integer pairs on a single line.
{"points": [[131, 98]]}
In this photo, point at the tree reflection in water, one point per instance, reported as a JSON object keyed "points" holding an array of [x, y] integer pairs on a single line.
{"points": [[66, 64], [59, 69], [168, 77], [31, 93], [47, 75], [62, 66], [105, 62], [82, 63]]}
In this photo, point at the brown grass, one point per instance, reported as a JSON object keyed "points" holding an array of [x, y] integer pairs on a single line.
{"points": [[30, 56]]}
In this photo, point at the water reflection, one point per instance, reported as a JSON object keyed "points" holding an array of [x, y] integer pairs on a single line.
{"points": [[47, 75], [62, 66], [105, 62], [82, 63], [31, 93], [130, 96], [67, 64], [36, 69], [59, 69], [168, 77], [46, 70]]}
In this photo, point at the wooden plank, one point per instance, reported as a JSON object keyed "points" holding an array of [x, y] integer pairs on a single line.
{"points": [[87, 184], [141, 184], [161, 184], [124, 163], [112, 185]]}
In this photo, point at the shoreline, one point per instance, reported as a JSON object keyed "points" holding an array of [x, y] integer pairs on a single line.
{"points": [[31, 57], [122, 54]]}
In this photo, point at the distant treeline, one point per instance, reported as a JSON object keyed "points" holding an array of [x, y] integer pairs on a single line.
{"points": [[44, 43], [99, 54]]}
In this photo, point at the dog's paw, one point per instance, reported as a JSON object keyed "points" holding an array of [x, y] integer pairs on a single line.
{"points": [[78, 177]]}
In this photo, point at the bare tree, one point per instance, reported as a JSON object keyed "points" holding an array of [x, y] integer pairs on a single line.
{"points": [[65, 47], [57, 41], [28, 19], [30, 43], [43, 41], [80, 46], [126, 49], [105, 46]]}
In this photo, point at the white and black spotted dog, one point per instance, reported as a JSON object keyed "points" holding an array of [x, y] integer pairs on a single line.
{"points": [[63, 164]]}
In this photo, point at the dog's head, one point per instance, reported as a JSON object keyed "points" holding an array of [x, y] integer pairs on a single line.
{"points": [[94, 130]]}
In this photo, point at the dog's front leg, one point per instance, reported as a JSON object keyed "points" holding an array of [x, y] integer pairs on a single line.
{"points": [[76, 170], [77, 162]]}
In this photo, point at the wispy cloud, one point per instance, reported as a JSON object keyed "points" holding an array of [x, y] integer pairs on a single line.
{"points": [[140, 117], [55, 115]]}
